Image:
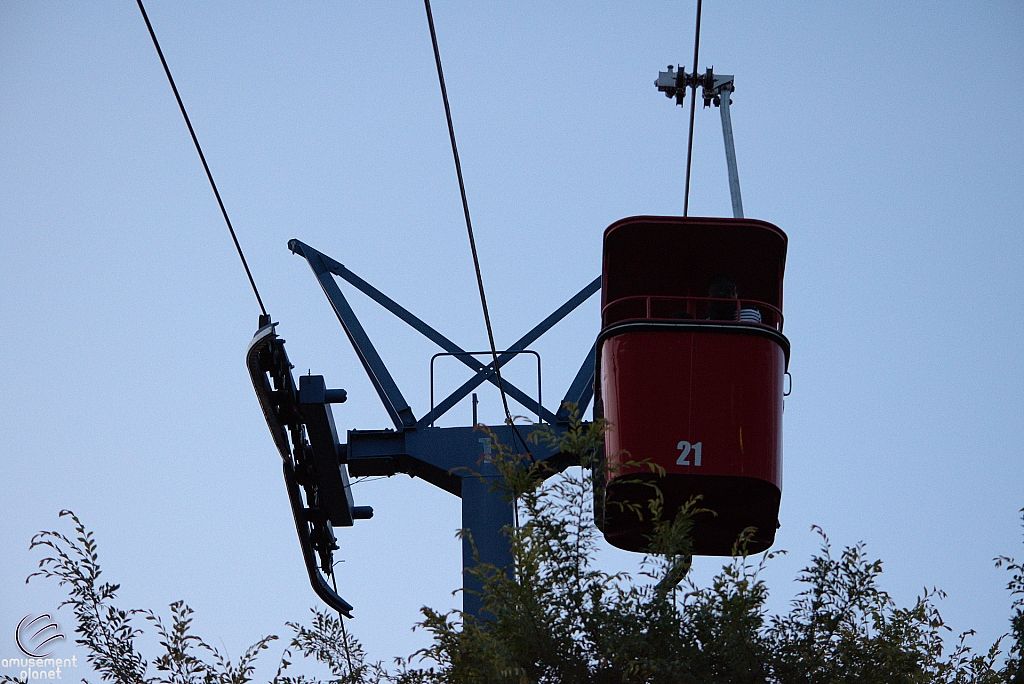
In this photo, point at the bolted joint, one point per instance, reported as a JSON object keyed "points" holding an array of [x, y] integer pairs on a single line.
{"points": [[362, 512], [674, 83]]}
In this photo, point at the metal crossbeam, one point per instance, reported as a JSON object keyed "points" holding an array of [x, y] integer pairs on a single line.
{"points": [[323, 266], [487, 372], [394, 403], [319, 262]]}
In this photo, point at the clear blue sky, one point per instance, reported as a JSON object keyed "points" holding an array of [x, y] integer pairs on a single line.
{"points": [[885, 139]]}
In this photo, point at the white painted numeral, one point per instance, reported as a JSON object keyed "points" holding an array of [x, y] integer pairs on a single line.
{"points": [[684, 452]]}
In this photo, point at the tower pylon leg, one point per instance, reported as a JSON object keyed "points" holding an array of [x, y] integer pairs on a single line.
{"points": [[485, 514]]}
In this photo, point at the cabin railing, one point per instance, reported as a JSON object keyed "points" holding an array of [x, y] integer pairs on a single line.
{"points": [[664, 308]]}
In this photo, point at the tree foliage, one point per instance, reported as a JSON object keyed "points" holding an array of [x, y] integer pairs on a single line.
{"points": [[555, 616], [558, 618]]}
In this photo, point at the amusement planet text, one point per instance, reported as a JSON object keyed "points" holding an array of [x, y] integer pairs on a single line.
{"points": [[35, 669]]}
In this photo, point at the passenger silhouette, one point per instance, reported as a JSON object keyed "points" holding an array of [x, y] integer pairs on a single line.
{"points": [[722, 287]]}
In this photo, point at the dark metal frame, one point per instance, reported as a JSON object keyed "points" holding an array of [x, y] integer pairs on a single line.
{"points": [[486, 353], [317, 464]]}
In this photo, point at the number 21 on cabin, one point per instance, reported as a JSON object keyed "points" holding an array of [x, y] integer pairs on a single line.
{"points": [[684, 453]]}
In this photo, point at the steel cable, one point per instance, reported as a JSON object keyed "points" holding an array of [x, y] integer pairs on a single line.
{"points": [[469, 221], [693, 105], [202, 157]]}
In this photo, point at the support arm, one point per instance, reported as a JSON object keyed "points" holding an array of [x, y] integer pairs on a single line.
{"points": [[581, 391], [724, 90], [394, 403]]}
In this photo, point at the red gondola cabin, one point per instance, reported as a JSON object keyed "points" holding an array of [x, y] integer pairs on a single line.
{"points": [[690, 369]]}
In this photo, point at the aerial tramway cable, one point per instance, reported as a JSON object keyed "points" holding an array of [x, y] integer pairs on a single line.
{"points": [[469, 222], [202, 157], [693, 105]]}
